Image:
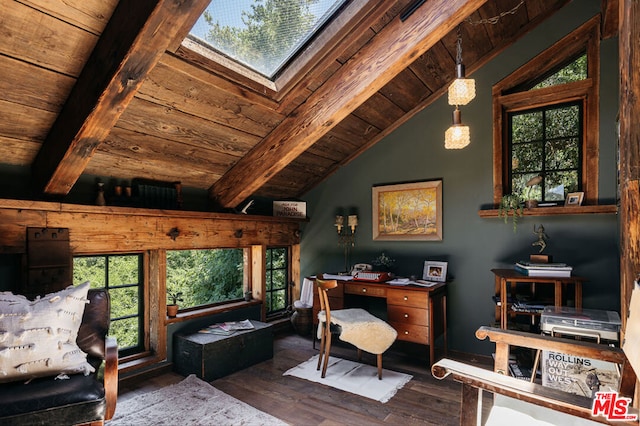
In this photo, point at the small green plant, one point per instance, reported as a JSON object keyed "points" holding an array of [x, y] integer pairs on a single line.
{"points": [[511, 205], [174, 296], [383, 262]]}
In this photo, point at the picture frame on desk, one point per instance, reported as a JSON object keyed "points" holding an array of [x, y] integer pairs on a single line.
{"points": [[408, 211], [434, 271]]}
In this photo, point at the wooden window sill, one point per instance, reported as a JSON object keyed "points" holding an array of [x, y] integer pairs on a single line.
{"points": [[557, 210], [203, 312]]}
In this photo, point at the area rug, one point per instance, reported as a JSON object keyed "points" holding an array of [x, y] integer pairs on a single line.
{"points": [[188, 403], [353, 377]]}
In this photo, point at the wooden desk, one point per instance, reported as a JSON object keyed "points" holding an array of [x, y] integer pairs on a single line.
{"points": [[509, 278], [418, 314]]}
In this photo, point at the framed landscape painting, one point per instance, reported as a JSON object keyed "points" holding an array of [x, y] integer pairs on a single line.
{"points": [[408, 211]]}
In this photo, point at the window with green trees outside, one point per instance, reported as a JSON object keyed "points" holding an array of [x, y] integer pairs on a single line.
{"points": [[121, 275], [205, 277], [277, 292], [545, 142]]}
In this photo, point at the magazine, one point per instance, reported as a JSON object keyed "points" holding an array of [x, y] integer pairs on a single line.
{"points": [[216, 329], [227, 328], [236, 325]]}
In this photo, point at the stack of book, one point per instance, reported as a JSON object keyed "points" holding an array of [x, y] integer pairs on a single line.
{"points": [[543, 269], [534, 307]]}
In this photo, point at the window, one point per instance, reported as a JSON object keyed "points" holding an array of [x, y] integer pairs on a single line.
{"points": [[262, 35], [547, 123], [205, 277], [122, 277], [546, 142], [277, 293]]}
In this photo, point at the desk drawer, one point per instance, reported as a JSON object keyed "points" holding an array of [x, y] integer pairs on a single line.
{"points": [[363, 289], [412, 333], [408, 315], [418, 299]]}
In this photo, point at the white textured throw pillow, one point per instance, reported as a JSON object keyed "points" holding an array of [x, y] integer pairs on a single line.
{"points": [[38, 338]]}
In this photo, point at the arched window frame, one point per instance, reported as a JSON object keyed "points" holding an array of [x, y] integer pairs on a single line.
{"points": [[508, 98]]}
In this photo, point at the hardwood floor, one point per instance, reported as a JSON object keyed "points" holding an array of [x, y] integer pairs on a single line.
{"points": [[422, 401]]}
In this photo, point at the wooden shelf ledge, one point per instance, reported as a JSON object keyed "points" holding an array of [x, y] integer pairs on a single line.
{"points": [[557, 210]]}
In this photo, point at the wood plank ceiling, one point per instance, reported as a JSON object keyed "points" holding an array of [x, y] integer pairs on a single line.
{"points": [[106, 88]]}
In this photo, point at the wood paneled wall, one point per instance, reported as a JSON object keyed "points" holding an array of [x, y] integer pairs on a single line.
{"points": [[95, 229]]}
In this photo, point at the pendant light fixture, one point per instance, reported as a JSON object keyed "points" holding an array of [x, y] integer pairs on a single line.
{"points": [[457, 136], [462, 90]]}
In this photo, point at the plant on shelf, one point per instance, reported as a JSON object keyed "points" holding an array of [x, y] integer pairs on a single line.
{"points": [[175, 297], [511, 205], [383, 263]]}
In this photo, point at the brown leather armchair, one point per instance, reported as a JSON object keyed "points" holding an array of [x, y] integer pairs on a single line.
{"points": [[80, 399]]}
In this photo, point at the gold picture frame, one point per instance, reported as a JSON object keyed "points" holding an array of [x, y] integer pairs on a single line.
{"points": [[408, 211]]}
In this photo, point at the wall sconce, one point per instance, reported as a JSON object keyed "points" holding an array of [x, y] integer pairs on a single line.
{"points": [[346, 235], [457, 136]]}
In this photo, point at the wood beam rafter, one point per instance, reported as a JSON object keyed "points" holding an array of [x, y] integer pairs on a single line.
{"points": [[132, 43], [392, 50], [610, 18], [629, 149]]}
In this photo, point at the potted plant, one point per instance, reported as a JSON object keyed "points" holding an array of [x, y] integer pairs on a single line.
{"points": [[175, 297], [383, 263], [510, 205]]}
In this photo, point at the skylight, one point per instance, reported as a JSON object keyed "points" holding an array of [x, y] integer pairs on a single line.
{"points": [[263, 35]]}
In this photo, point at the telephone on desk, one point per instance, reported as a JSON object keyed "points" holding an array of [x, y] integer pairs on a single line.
{"points": [[360, 267]]}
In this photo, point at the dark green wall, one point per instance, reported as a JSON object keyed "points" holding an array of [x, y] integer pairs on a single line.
{"points": [[472, 245]]}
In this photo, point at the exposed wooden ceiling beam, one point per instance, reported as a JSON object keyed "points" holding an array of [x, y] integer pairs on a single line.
{"points": [[392, 50], [133, 41]]}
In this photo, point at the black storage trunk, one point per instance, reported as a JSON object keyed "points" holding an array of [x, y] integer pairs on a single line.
{"points": [[211, 356]]}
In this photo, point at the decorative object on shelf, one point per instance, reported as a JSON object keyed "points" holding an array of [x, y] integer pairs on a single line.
{"points": [[290, 209], [175, 297], [245, 209], [100, 200], [434, 271], [532, 202], [511, 205], [346, 235], [408, 211], [542, 237], [383, 263], [574, 199]]}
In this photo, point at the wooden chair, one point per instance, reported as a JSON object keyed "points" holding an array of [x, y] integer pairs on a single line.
{"points": [[356, 326], [537, 400]]}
